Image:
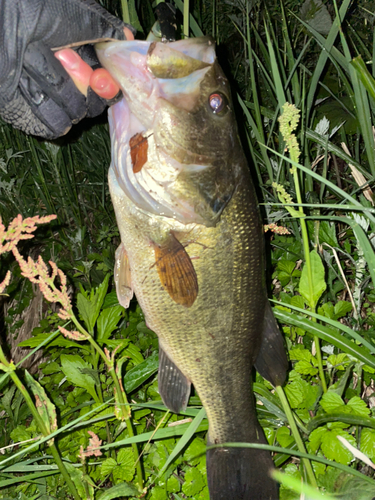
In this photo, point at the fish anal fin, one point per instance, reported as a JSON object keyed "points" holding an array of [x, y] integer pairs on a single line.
{"points": [[122, 277], [176, 271], [272, 362], [174, 387]]}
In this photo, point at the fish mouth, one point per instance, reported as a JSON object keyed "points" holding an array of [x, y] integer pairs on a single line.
{"points": [[148, 73]]}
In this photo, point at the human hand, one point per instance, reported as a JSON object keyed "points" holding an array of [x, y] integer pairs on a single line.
{"points": [[83, 76], [36, 93]]}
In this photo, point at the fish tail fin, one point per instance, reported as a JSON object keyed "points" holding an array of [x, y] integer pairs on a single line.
{"points": [[240, 474]]}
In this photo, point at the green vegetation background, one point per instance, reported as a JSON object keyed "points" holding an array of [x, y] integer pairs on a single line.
{"points": [[314, 173]]}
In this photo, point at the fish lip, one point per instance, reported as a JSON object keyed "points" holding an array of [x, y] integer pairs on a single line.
{"points": [[142, 46]]}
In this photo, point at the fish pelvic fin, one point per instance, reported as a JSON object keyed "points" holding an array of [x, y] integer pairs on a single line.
{"points": [[174, 387], [176, 271], [122, 277], [272, 362], [240, 474]]}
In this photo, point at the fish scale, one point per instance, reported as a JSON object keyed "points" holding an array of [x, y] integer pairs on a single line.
{"points": [[199, 275]]}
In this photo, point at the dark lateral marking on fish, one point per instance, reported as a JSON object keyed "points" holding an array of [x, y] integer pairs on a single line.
{"points": [[138, 151], [176, 271], [174, 387]]}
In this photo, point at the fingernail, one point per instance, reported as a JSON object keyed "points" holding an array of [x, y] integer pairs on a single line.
{"points": [[68, 58], [102, 83]]}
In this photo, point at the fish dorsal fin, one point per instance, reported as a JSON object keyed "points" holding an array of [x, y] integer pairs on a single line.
{"points": [[124, 288], [272, 362], [176, 271], [174, 387]]}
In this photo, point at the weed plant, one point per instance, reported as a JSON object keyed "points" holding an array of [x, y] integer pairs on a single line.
{"points": [[90, 423]]}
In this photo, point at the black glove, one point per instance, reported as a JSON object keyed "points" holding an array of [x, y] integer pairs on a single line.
{"points": [[36, 93]]}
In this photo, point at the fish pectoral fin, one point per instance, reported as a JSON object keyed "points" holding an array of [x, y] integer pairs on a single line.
{"points": [[174, 387], [122, 276], [272, 362], [176, 271]]}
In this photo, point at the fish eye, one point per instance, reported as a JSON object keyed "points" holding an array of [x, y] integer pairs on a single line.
{"points": [[217, 102]]}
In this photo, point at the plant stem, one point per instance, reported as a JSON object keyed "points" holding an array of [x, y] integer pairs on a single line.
{"points": [[186, 18], [120, 395], [125, 11], [44, 431], [297, 437], [306, 250]]}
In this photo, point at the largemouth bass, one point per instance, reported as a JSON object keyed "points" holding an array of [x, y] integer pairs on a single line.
{"points": [[192, 246]]}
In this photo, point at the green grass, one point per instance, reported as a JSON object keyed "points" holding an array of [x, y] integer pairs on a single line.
{"points": [[321, 276]]}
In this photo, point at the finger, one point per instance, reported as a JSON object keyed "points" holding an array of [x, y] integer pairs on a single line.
{"points": [[128, 34], [103, 84], [79, 71]]}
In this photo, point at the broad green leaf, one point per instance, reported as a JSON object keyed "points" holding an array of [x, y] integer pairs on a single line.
{"points": [[107, 321], [124, 471], [301, 394], [110, 300], [300, 355], [108, 466], [331, 402], [327, 233], [137, 375], [342, 308], [89, 304], [120, 490], [305, 368], [59, 342], [312, 292], [368, 443], [158, 493], [355, 488], [173, 484], [79, 481], [73, 366], [297, 300], [195, 453], [358, 407], [45, 408], [338, 361], [194, 482], [327, 309], [316, 437], [133, 352], [286, 265], [294, 393], [333, 449], [283, 437], [203, 495], [270, 434], [316, 14], [21, 433]]}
